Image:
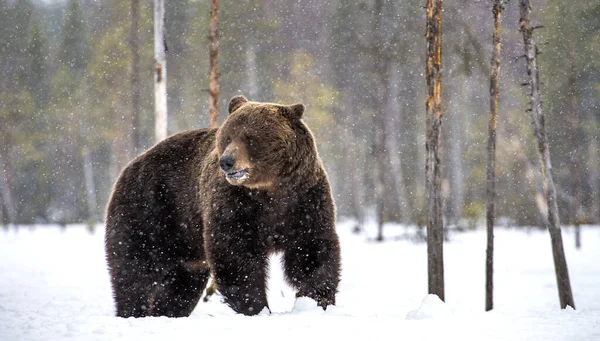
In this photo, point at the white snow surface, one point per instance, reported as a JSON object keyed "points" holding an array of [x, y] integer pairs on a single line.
{"points": [[432, 307], [54, 286]]}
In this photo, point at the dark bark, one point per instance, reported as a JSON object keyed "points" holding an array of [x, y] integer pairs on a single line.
{"points": [[433, 106], [213, 77], [560, 262], [491, 149], [491, 165]]}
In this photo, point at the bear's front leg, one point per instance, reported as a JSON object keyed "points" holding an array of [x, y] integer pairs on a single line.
{"points": [[313, 269], [312, 250], [239, 266]]}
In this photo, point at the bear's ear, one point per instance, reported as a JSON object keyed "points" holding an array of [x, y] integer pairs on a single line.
{"points": [[236, 103], [295, 111]]}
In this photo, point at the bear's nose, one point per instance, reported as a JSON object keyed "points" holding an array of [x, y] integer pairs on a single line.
{"points": [[226, 163]]}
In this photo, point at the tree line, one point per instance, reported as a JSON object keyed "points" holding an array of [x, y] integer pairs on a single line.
{"points": [[435, 225], [74, 110]]}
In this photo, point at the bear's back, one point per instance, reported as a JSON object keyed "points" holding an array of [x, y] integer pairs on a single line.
{"points": [[167, 173]]}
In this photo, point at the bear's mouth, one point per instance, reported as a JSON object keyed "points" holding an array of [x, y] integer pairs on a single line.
{"points": [[237, 175]]}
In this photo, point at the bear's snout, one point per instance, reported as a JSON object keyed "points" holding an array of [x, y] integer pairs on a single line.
{"points": [[226, 163]]}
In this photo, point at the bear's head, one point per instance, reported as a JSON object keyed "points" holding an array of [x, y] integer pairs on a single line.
{"points": [[260, 142]]}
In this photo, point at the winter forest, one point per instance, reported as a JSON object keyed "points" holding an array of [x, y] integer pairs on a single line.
{"points": [[77, 99], [78, 103]]}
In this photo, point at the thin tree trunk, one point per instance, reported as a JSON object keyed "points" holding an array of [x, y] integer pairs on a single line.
{"points": [[533, 176], [575, 156], [350, 162], [160, 70], [213, 77], [69, 198], [357, 195], [433, 108], [2, 222], [88, 168], [594, 175], [252, 69], [6, 192], [457, 125], [398, 175], [394, 150], [135, 80], [491, 148], [380, 189], [560, 262], [90, 187], [380, 66]]}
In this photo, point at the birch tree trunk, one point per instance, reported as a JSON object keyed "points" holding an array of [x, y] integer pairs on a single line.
{"points": [[160, 70], [575, 156], [433, 121], [560, 263], [491, 148], [213, 77], [134, 45]]}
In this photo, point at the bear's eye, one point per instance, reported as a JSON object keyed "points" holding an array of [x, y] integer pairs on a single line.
{"points": [[228, 140]]}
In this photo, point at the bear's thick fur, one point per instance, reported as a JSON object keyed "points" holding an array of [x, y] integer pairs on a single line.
{"points": [[220, 201]]}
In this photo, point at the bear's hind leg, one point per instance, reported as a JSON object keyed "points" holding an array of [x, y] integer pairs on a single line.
{"points": [[179, 291], [155, 288], [131, 288]]}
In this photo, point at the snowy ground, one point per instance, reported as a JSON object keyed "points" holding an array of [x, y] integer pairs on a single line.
{"points": [[54, 286]]}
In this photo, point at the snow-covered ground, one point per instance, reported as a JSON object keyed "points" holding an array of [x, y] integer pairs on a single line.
{"points": [[54, 286]]}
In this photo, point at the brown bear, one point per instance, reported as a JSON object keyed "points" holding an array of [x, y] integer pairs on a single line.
{"points": [[220, 201]]}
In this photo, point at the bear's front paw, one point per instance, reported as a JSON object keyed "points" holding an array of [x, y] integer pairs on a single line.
{"points": [[323, 300]]}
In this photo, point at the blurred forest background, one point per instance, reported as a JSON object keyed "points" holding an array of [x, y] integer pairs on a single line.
{"points": [[73, 112]]}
